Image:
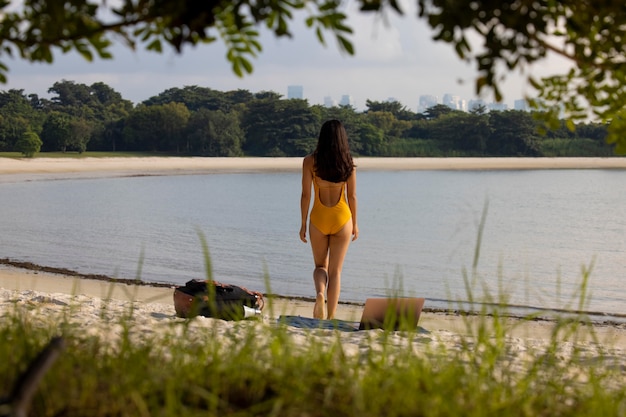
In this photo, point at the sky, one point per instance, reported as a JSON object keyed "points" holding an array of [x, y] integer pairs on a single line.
{"points": [[395, 58]]}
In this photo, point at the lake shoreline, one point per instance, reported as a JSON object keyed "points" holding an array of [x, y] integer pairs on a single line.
{"points": [[13, 273], [42, 168], [153, 308]]}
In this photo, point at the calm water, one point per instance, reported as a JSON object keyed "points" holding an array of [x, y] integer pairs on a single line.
{"points": [[418, 232]]}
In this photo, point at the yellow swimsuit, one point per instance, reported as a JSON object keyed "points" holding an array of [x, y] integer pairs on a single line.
{"points": [[329, 219]]}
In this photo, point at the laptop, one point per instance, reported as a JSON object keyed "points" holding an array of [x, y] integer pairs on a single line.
{"points": [[391, 313]]}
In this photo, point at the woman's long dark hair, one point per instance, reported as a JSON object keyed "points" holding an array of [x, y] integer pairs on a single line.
{"points": [[333, 161]]}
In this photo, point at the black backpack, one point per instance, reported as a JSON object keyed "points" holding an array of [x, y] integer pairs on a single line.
{"points": [[214, 299]]}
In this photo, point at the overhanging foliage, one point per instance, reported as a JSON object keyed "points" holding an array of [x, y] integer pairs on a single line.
{"points": [[511, 35]]}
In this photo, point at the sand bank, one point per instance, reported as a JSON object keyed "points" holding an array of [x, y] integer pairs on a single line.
{"points": [[93, 167], [22, 282], [112, 311]]}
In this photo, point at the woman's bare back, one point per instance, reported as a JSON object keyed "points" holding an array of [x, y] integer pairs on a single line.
{"points": [[329, 192]]}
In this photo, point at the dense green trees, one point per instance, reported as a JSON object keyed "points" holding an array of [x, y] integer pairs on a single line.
{"points": [[214, 133], [201, 121], [18, 114], [513, 133], [277, 127], [496, 36], [56, 131]]}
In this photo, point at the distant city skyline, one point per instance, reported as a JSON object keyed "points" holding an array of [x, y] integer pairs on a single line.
{"points": [[424, 101]]}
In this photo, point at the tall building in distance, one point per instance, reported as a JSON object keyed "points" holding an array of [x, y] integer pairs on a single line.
{"points": [[295, 91], [454, 102], [346, 100], [498, 107], [329, 102], [476, 104], [426, 102], [521, 104]]}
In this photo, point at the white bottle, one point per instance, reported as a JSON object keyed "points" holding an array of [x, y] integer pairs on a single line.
{"points": [[250, 312]]}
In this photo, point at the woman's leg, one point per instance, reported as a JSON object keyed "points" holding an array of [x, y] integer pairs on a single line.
{"points": [[319, 245], [337, 249]]}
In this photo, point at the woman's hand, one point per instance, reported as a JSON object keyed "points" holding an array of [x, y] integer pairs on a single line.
{"points": [[303, 233], [355, 232]]}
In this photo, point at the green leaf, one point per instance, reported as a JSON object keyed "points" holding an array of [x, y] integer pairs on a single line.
{"points": [[497, 94], [256, 44], [269, 22], [41, 53], [329, 5], [247, 65], [480, 83], [84, 51], [345, 45], [155, 46], [320, 36], [237, 68], [342, 28]]}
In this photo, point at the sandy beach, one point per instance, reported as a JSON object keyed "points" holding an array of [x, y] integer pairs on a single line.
{"points": [[57, 168], [109, 311], [153, 308]]}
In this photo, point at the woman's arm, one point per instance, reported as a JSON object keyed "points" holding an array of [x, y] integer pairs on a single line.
{"points": [[305, 198], [352, 202]]}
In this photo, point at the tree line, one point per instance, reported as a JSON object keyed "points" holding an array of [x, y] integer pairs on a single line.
{"points": [[202, 121]]}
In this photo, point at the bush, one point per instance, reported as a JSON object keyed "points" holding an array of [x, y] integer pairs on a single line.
{"points": [[412, 148], [29, 144], [578, 147]]}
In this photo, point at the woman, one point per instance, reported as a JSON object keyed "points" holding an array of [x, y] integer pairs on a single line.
{"points": [[333, 223]]}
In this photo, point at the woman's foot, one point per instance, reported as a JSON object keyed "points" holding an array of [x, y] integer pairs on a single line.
{"points": [[318, 309]]}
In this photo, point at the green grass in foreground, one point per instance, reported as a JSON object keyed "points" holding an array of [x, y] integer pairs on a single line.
{"points": [[261, 369]]}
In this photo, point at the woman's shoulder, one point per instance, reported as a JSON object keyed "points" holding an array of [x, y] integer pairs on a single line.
{"points": [[309, 160]]}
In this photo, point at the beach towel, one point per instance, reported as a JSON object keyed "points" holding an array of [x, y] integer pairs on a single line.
{"points": [[311, 323], [341, 325], [395, 313]]}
